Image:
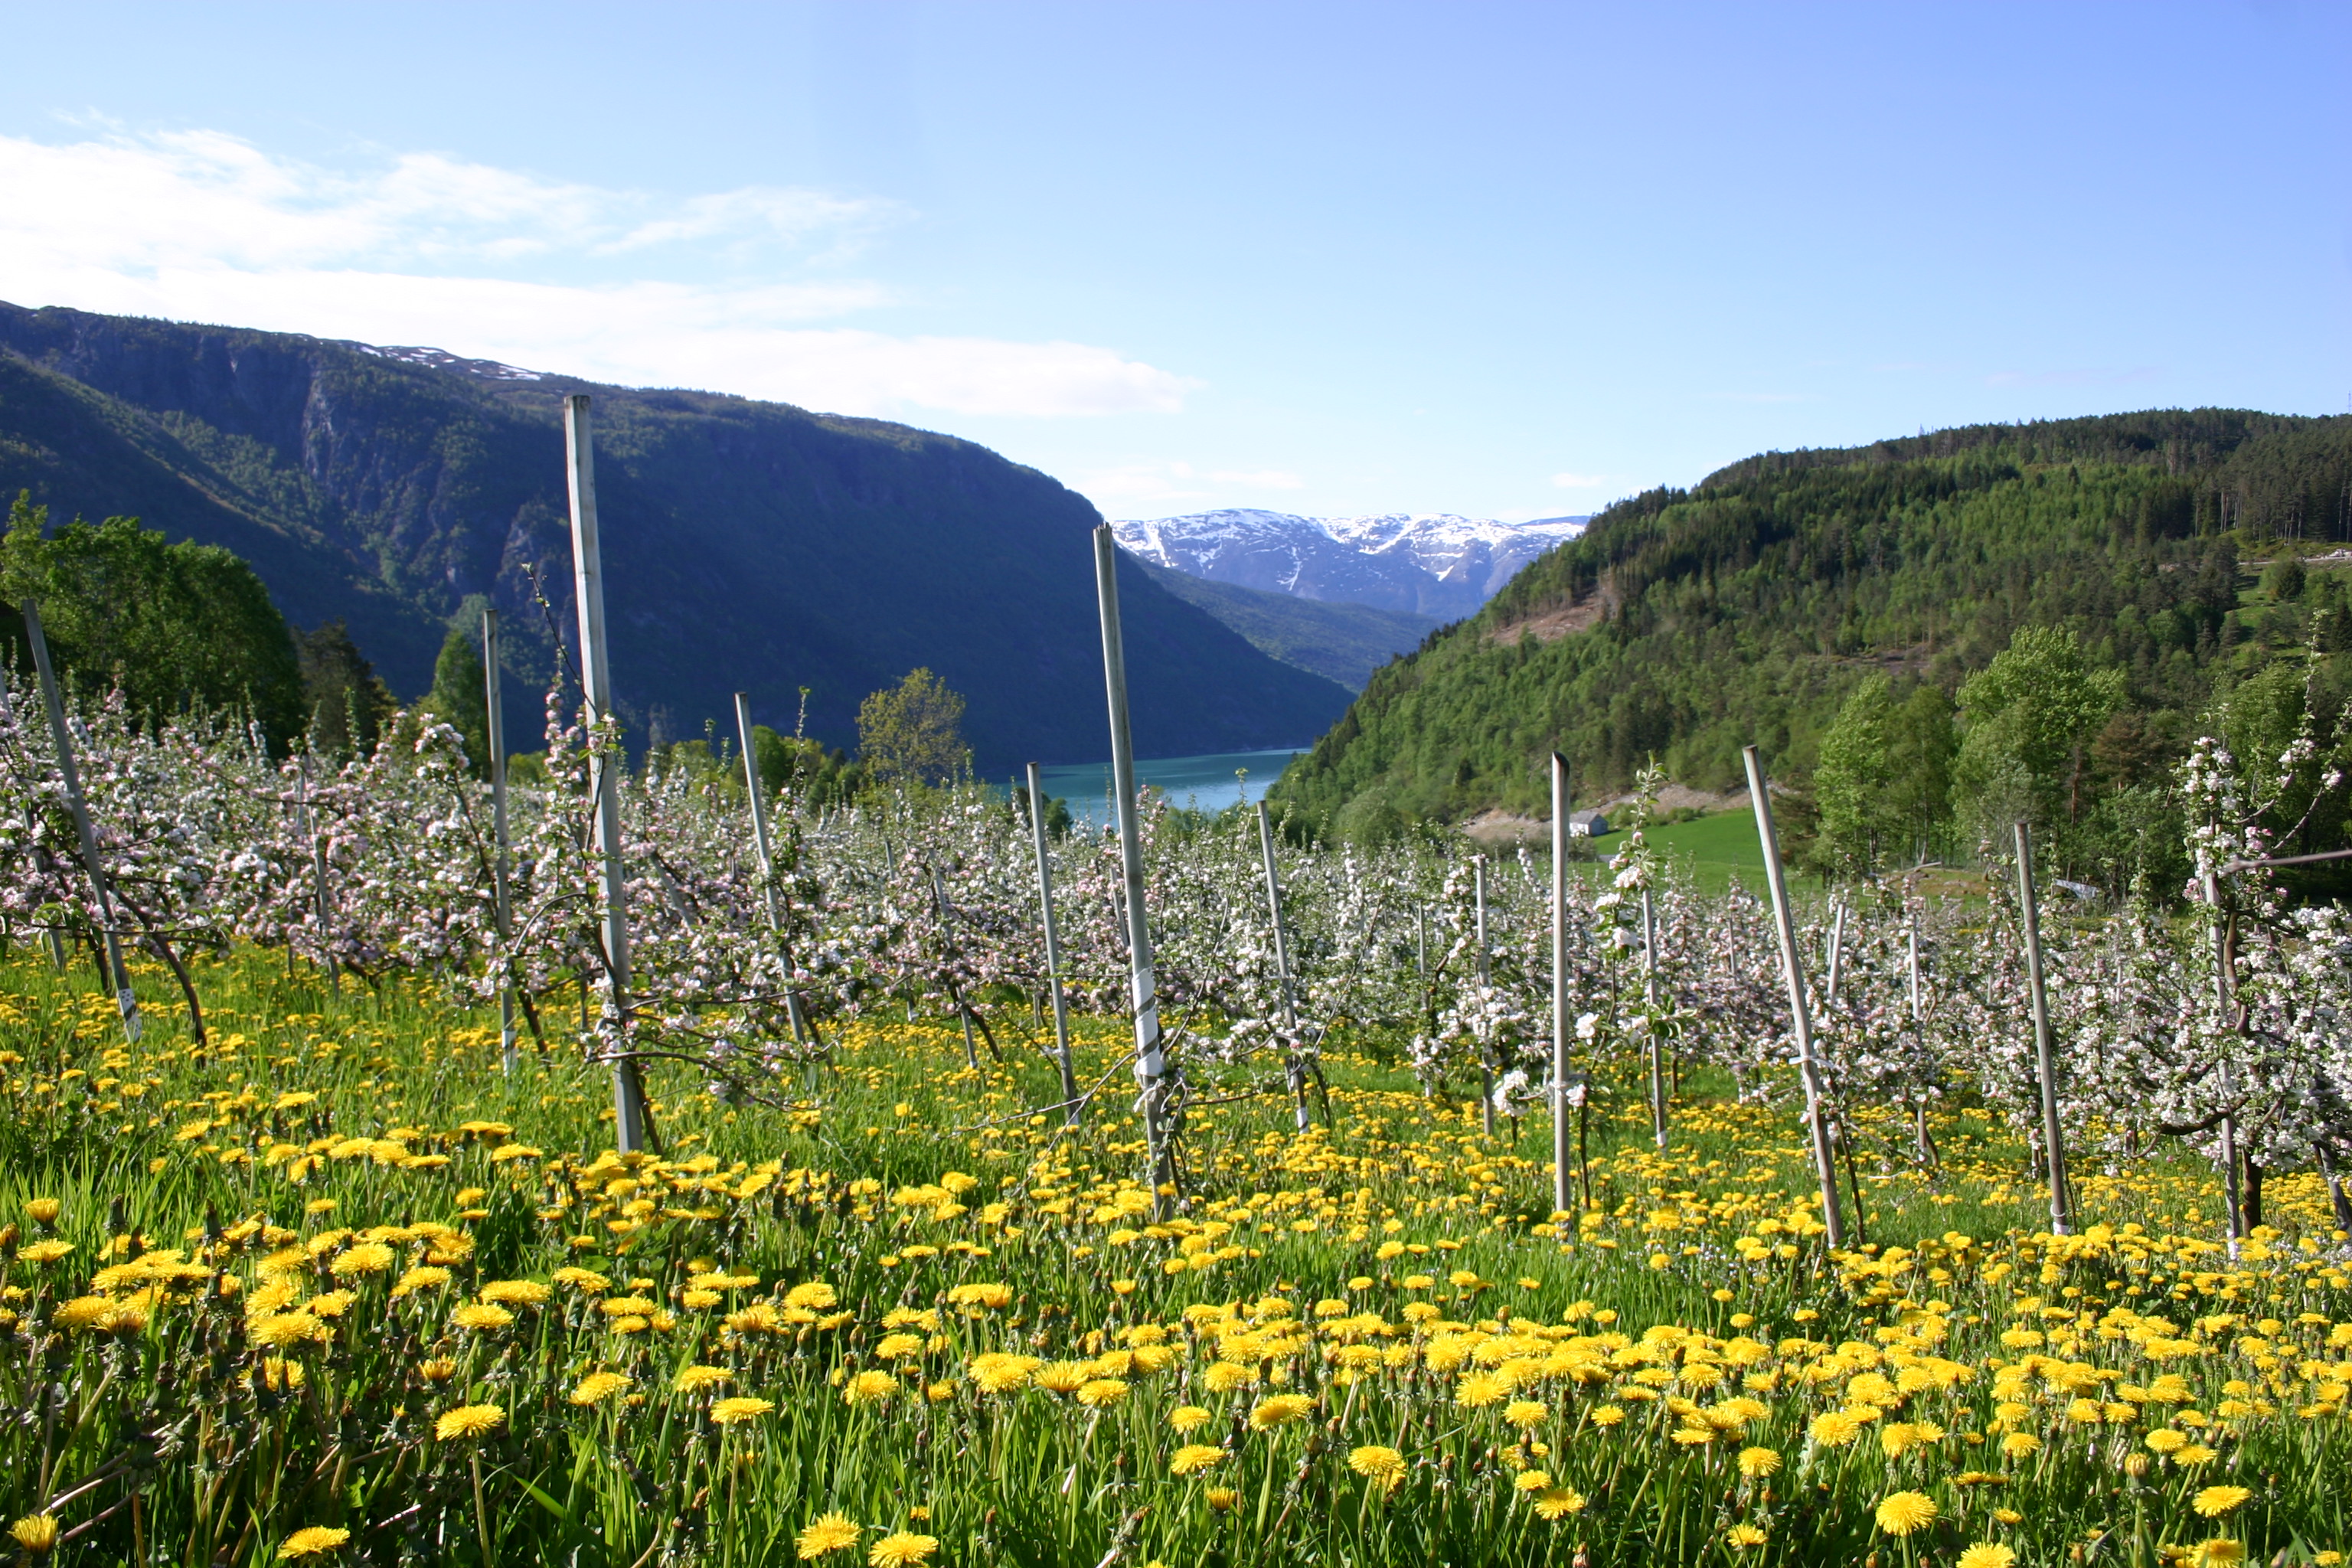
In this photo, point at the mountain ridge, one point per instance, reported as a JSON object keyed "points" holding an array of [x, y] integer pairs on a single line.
{"points": [[748, 545], [1683, 625], [1440, 564]]}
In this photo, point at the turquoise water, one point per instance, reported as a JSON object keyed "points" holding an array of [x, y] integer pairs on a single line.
{"points": [[1205, 783]]}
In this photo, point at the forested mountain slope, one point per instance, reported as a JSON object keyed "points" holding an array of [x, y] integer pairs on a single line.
{"points": [[747, 544], [1687, 624]]}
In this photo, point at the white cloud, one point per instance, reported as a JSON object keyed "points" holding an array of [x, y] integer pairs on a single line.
{"points": [[497, 264]]}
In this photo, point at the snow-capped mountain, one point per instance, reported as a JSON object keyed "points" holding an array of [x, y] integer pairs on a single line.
{"points": [[1433, 564]]}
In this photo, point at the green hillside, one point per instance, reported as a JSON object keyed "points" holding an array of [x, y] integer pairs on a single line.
{"points": [[1339, 642], [748, 545], [1684, 625]]}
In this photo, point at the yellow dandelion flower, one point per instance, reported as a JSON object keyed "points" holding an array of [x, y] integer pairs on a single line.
{"points": [[2017, 1445], [315, 1542], [1988, 1554], [869, 1388], [516, 1292], [36, 1532], [469, 1421], [1525, 1413], [1193, 1457], [693, 1379], [439, 1369], [1480, 1388], [424, 1277], [1835, 1428], [2194, 1455], [998, 1373], [480, 1317], [1278, 1409], [43, 1251], [1384, 1467], [816, 1297], [902, 1549], [2215, 1501], [367, 1257], [1533, 1481], [1556, 1503], [2165, 1440], [43, 1212], [1757, 1463], [826, 1532], [598, 1386], [1220, 1498], [2222, 1552], [1608, 1416], [1745, 1535], [1903, 1512], [1185, 1417], [1100, 1392], [743, 1407]]}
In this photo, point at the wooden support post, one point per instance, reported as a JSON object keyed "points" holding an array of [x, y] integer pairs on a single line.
{"points": [[1924, 1145], [118, 973], [495, 738], [630, 1129], [1151, 1061], [1657, 1036], [2225, 987], [1562, 1140], [1801, 1015], [1282, 967], [1053, 948], [1486, 1055], [2045, 1066], [1837, 950], [756, 787]]}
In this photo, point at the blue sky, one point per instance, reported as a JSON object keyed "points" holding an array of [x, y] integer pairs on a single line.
{"points": [[1510, 261]]}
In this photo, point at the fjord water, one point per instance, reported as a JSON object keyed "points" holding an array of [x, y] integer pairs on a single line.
{"points": [[1206, 783]]}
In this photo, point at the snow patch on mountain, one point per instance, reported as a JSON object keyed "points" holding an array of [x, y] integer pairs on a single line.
{"points": [[1437, 563]]}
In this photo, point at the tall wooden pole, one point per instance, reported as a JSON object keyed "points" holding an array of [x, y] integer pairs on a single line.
{"points": [[1561, 1138], [1657, 1036], [495, 737], [1282, 965], [604, 765], [1150, 1063], [2225, 990], [1837, 950], [118, 973], [1485, 1054], [1053, 947], [756, 787], [41, 858], [1801, 1015], [317, 871], [2045, 1066]]}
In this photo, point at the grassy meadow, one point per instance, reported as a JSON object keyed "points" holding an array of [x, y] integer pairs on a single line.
{"points": [[338, 1290]]}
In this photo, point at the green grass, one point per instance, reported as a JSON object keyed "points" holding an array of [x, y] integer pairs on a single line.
{"points": [[909, 1176]]}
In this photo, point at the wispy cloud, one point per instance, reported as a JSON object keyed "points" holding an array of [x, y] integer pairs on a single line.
{"points": [[1586, 481], [724, 290]]}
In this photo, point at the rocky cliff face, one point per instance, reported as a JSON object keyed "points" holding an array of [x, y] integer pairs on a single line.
{"points": [[748, 545]]}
